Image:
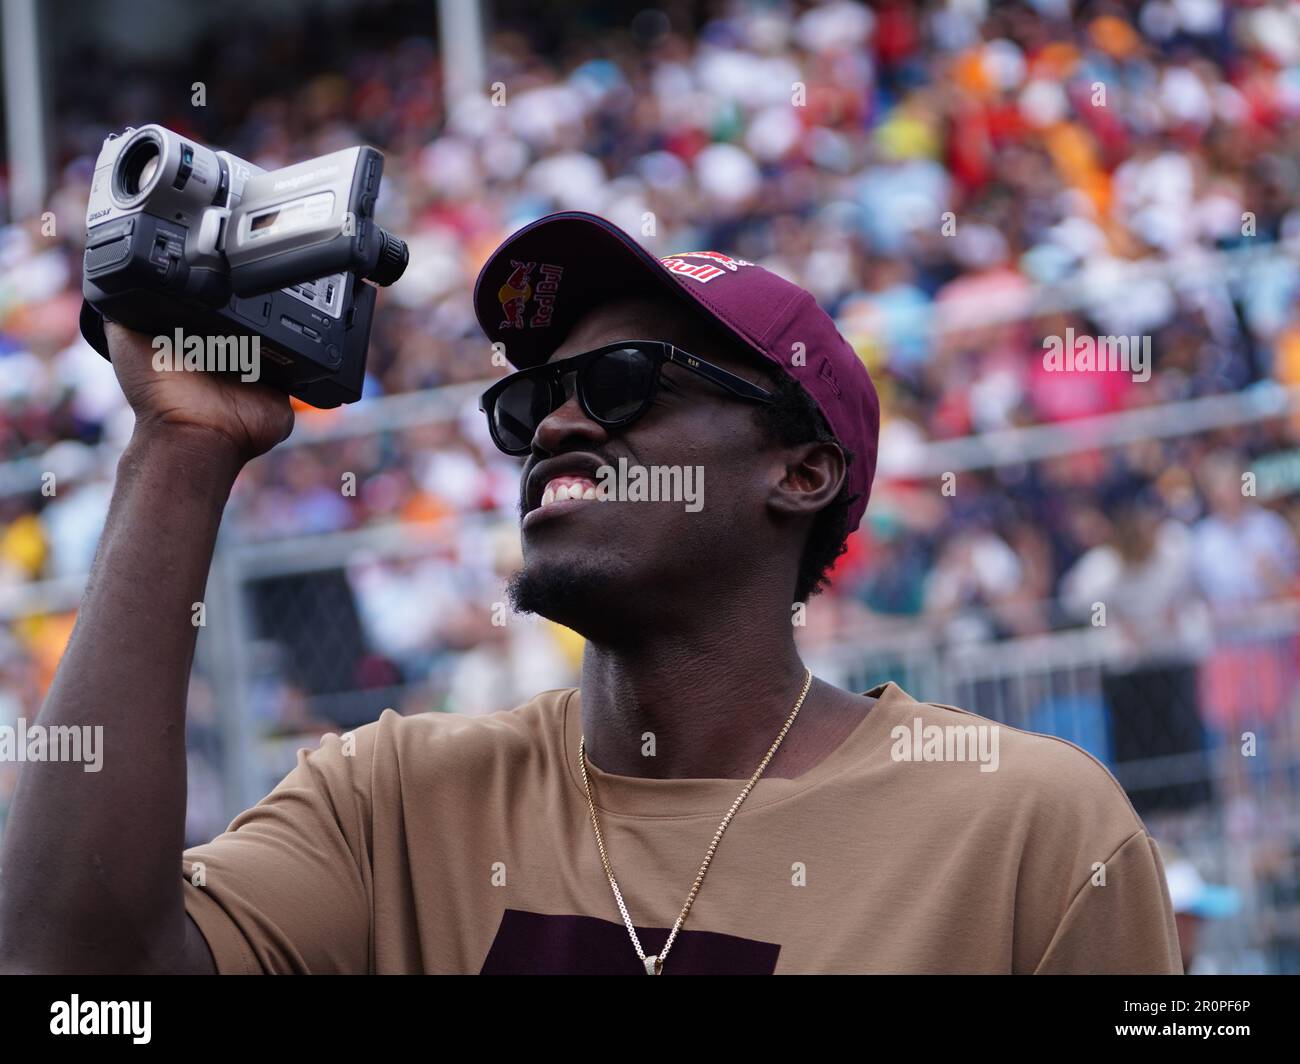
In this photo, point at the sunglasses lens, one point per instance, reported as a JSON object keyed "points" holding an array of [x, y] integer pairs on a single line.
{"points": [[520, 408], [617, 383]]}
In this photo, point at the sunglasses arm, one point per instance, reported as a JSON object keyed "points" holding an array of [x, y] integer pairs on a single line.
{"points": [[723, 378]]}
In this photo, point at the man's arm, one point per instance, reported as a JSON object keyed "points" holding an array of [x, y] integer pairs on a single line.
{"points": [[1122, 924], [91, 860]]}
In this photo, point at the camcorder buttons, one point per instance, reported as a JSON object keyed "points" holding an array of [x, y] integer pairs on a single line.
{"points": [[185, 169], [223, 183], [168, 247]]}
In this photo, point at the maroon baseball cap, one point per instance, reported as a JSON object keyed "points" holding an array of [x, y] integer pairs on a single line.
{"points": [[537, 284]]}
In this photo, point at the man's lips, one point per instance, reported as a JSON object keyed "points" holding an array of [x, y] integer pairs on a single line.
{"points": [[561, 495], [565, 477]]}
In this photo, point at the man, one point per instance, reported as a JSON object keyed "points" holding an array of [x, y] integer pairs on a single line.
{"points": [[698, 804]]}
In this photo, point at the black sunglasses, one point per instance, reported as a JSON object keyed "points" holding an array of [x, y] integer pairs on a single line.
{"points": [[616, 384]]}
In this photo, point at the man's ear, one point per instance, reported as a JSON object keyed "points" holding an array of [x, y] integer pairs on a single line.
{"points": [[812, 477]]}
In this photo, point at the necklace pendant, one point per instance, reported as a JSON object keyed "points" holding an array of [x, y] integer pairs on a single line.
{"points": [[650, 963]]}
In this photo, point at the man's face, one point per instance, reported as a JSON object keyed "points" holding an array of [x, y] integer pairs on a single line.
{"points": [[589, 564]]}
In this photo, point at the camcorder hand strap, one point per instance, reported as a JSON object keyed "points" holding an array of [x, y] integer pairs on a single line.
{"points": [[92, 328]]}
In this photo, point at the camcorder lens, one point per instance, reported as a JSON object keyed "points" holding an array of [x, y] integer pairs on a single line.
{"points": [[138, 167], [147, 171]]}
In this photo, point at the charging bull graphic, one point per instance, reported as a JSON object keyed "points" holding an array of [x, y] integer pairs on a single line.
{"points": [[519, 289], [515, 293]]}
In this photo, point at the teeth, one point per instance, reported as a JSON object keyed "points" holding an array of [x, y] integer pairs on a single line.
{"points": [[562, 489]]}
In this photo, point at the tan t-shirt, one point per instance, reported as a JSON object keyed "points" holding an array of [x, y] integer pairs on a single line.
{"points": [[439, 843]]}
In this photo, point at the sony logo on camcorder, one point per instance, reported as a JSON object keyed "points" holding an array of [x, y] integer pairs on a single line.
{"points": [[312, 175]]}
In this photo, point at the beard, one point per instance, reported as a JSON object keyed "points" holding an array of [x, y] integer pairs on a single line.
{"points": [[573, 596]]}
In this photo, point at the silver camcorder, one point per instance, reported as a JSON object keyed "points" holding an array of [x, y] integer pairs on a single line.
{"points": [[180, 238]]}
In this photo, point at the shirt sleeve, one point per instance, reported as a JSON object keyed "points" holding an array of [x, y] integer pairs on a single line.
{"points": [[287, 888], [1124, 926]]}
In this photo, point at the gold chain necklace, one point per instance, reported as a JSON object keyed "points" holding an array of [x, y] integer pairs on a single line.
{"points": [[654, 964]]}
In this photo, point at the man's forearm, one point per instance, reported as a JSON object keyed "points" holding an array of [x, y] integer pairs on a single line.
{"points": [[91, 860]]}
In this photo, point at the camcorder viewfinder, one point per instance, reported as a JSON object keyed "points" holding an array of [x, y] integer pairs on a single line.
{"points": [[180, 237]]}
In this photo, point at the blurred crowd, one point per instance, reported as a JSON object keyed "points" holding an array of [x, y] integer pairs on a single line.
{"points": [[955, 181]]}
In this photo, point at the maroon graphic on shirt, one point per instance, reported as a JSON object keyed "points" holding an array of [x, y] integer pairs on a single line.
{"points": [[538, 944]]}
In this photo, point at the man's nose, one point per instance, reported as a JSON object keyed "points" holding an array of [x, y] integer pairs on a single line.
{"points": [[566, 420]]}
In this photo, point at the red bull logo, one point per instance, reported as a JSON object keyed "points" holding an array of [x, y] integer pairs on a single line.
{"points": [[515, 293], [716, 264], [518, 289], [547, 289]]}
